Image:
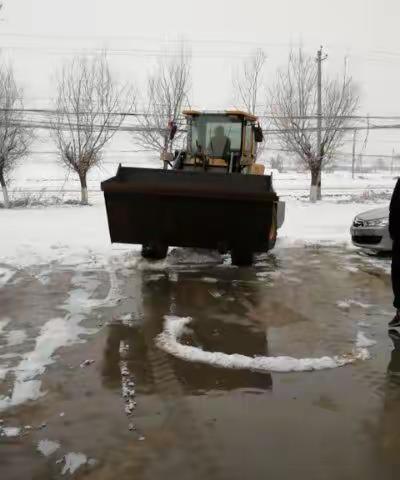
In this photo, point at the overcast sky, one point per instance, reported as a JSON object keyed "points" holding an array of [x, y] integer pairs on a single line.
{"points": [[39, 34]]}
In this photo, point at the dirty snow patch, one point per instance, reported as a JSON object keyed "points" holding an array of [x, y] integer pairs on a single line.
{"points": [[47, 447], [174, 327], [193, 256], [73, 461]]}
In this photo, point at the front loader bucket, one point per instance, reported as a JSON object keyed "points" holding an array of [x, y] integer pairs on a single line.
{"points": [[190, 209]]}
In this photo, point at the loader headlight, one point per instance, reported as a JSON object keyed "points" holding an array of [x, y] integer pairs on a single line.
{"points": [[377, 222]]}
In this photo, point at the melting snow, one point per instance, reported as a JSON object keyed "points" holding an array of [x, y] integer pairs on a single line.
{"points": [[47, 447], [345, 304], [5, 276], [3, 371], [3, 324], [16, 337], [10, 431], [363, 341], [54, 334], [72, 462], [174, 327]]}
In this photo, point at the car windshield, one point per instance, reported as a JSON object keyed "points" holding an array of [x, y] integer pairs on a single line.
{"points": [[216, 135]]}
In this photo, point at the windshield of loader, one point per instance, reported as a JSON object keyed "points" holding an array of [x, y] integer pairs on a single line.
{"points": [[216, 135]]}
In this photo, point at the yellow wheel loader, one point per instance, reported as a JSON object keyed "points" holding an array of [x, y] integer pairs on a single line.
{"points": [[212, 194]]}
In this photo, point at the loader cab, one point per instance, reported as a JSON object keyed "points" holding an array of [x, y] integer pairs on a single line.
{"points": [[222, 142]]}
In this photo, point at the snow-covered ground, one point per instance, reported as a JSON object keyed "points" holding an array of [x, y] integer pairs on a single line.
{"points": [[69, 233], [66, 234]]}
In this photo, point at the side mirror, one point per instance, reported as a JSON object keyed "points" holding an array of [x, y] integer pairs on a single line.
{"points": [[258, 133]]}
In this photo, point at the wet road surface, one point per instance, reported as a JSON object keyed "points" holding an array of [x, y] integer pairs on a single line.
{"points": [[104, 401]]}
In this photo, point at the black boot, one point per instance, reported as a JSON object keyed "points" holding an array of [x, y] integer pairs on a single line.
{"points": [[396, 320]]}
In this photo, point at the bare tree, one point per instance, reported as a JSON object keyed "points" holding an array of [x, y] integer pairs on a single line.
{"points": [[167, 94], [90, 108], [248, 84], [248, 81], [293, 100], [15, 136]]}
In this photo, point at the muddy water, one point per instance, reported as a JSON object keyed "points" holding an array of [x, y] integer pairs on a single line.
{"points": [[181, 419]]}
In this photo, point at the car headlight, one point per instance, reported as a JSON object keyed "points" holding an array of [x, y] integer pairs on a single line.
{"points": [[377, 222]]}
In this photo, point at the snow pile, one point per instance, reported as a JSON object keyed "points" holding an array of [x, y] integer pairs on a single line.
{"points": [[174, 327]]}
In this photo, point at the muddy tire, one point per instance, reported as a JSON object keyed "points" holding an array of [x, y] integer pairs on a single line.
{"points": [[154, 251], [242, 257]]}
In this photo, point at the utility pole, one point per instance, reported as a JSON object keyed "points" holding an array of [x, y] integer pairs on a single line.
{"points": [[319, 60], [353, 161]]}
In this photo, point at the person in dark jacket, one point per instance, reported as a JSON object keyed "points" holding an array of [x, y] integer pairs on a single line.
{"points": [[394, 230]]}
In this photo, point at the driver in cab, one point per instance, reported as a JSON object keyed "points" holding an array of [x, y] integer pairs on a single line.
{"points": [[220, 144]]}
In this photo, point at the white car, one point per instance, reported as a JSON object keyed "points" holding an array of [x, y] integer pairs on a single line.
{"points": [[370, 230]]}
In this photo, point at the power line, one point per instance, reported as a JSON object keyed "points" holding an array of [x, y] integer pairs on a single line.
{"points": [[49, 111]]}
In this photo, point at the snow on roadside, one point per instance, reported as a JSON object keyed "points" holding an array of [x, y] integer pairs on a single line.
{"points": [[74, 235], [174, 327], [322, 222], [67, 235]]}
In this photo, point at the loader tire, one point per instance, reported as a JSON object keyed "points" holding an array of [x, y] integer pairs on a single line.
{"points": [[242, 257], [154, 251]]}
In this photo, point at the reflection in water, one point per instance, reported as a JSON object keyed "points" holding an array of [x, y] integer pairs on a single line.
{"points": [[390, 424], [220, 323], [394, 364]]}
